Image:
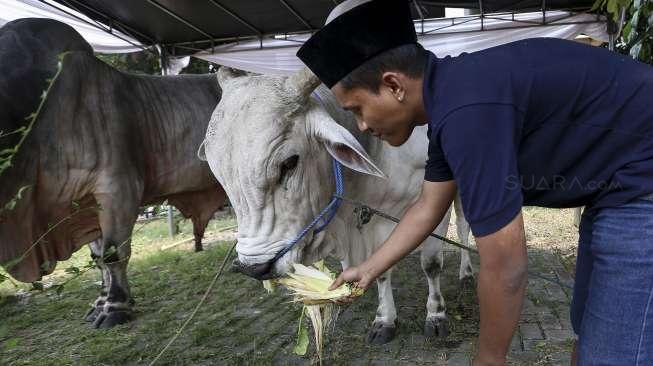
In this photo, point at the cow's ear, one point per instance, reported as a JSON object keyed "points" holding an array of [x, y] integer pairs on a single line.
{"points": [[345, 148]]}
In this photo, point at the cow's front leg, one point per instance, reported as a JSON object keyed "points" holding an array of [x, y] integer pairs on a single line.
{"points": [[113, 253], [432, 258], [384, 327], [198, 242], [466, 273], [114, 305], [96, 308]]}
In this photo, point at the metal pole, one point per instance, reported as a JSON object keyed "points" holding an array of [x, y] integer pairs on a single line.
{"points": [[172, 228]]}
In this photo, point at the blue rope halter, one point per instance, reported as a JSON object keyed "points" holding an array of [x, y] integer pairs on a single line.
{"points": [[325, 216]]}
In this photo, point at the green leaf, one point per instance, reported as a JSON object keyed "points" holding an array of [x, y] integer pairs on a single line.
{"points": [[5, 165], [72, 270], [10, 205], [598, 4], [8, 265], [45, 266], [58, 289], [626, 32], [634, 50], [4, 331], [29, 118], [8, 151], [3, 278], [37, 286], [302, 337], [635, 19], [19, 194], [109, 252], [11, 343], [613, 7]]}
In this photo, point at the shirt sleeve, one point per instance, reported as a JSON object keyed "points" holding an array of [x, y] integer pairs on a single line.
{"points": [[437, 169], [480, 144]]}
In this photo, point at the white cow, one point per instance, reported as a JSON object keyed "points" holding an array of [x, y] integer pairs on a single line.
{"points": [[277, 171]]}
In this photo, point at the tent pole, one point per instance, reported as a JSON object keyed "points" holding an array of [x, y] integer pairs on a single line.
{"points": [[296, 14], [179, 19]]}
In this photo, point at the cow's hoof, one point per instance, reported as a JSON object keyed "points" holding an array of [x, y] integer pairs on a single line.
{"points": [[92, 314], [381, 333], [109, 320], [436, 327], [199, 248]]}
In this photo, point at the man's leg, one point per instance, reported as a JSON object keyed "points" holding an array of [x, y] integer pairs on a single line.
{"points": [[617, 321], [584, 264]]}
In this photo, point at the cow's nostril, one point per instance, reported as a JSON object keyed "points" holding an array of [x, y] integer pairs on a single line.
{"points": [[260, 271]]}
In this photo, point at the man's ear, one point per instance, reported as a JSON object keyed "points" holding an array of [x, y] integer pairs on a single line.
{"points": [[344, 147], [395, 83]]}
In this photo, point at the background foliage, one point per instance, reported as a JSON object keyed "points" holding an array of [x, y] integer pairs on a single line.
{"points": [[145, 62], [636, 39]]}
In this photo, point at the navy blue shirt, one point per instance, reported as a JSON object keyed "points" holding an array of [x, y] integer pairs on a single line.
{"points": [[542, 122]]}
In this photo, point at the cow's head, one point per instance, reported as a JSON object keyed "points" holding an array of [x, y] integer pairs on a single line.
{"points": [[270, 145]]}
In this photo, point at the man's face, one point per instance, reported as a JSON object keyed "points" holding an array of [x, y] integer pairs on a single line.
{"points": [[385, 115]]}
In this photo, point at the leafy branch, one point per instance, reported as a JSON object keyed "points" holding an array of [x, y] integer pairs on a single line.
{"points": [[636, 38], [7, 155]]}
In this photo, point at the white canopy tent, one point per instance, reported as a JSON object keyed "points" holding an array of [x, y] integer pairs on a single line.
{"points": [[443, 36], [98, 35]]}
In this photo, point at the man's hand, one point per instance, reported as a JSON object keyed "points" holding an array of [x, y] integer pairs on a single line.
{"points": [[359, 276]]}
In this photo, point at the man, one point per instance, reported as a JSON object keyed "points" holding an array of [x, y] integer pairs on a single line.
{"points": [[540, 122]]}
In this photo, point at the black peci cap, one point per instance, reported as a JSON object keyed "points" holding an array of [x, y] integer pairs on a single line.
{"points": [[357, 36]]}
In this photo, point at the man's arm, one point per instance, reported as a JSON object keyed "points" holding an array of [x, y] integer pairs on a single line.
{"points": [[502, 282], [416, 224]]}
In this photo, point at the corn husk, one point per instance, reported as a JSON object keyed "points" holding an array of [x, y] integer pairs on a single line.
{"points": [[310, 286], [268, 285]]}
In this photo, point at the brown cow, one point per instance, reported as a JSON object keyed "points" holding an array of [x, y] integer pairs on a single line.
{"points": [[104, 143]]}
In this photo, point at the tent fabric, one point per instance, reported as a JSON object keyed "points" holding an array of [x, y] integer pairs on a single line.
{"points": [[277, 56], [100, 40], [184, 27]]}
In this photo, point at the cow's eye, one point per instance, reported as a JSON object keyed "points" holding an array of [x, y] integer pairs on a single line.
{"points": [[287, 167]]}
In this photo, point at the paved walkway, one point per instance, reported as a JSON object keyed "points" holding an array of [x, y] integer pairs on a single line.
{"points": [[544, 336]]}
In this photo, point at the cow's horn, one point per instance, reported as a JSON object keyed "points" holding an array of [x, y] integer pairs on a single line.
{"points": [[302, 83]]}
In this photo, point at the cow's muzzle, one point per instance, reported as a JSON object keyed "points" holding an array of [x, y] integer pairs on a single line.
{"points": [[260, 271]]}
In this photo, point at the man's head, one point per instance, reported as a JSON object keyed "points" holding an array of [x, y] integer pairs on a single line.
{"points": [[369, 56], [385, 93]]}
